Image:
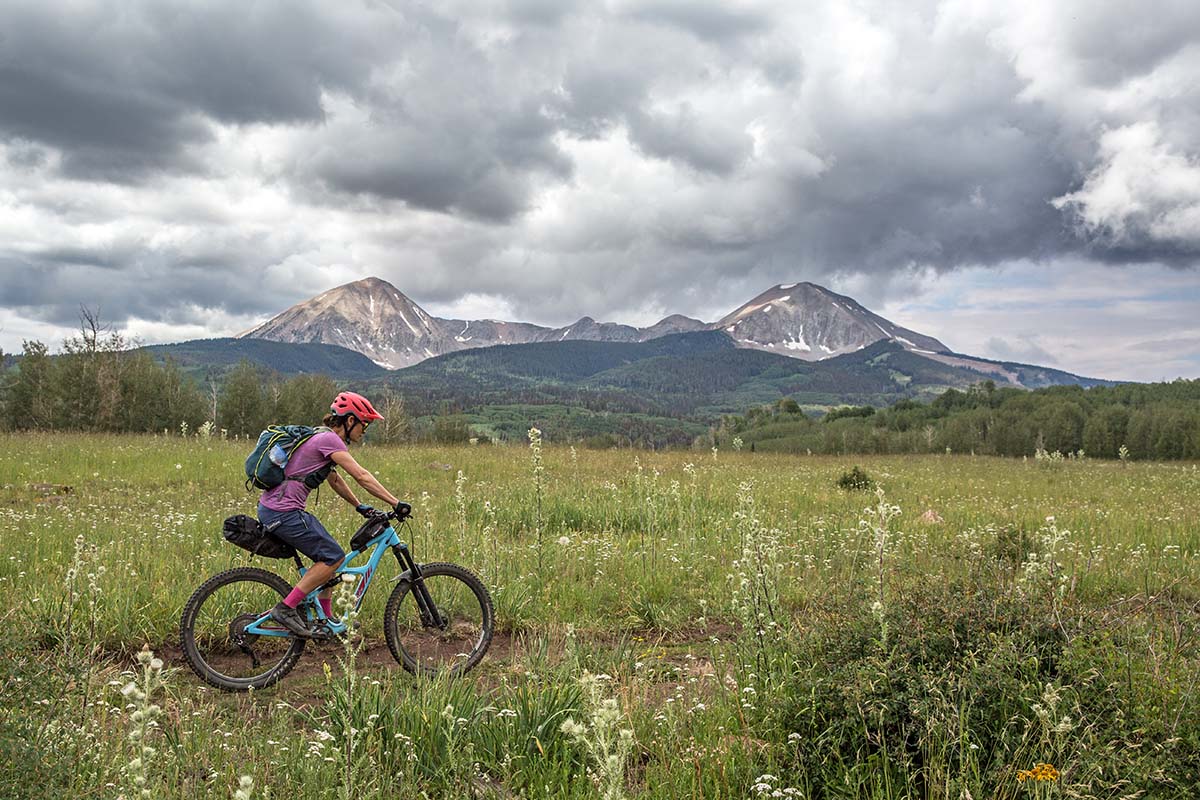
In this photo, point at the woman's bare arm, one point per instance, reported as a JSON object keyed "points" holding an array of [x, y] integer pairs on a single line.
{"points": [[342, 489], [362, 476]]}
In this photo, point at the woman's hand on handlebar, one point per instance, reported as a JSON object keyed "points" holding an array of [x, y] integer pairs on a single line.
{"points": [[401, 511]]}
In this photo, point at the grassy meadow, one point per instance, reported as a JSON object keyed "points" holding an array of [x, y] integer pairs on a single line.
{"points": [[680, 624]]}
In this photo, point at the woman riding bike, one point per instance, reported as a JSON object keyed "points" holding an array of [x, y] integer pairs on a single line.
{"points": [[282, 509]]}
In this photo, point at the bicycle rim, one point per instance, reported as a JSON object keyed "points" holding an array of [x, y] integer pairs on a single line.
{"points": [[215, 641], [453, 643]]}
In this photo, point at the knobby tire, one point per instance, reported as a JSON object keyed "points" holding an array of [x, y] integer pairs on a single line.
{"points": [[196, 660], [404, 591]]}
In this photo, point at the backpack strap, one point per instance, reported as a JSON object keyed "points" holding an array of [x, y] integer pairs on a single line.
{"points": [[314, 479]]}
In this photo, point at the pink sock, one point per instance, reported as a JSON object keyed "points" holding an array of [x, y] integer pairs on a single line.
{"points": [[294, 598], [326, 605]]}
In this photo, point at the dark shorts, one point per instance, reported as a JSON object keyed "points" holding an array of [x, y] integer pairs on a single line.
{"points": [[304, 532]]}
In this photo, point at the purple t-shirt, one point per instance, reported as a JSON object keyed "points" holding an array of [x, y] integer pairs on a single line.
{"points": [[308, 457]]}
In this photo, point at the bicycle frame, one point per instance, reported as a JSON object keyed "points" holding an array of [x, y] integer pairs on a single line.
{"points": [[386, 539]]}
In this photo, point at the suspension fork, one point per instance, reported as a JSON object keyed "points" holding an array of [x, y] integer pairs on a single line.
{"points": [[430, 616]]}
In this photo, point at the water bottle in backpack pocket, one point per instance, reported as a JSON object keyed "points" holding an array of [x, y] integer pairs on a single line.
{"points": [[279, 456]]}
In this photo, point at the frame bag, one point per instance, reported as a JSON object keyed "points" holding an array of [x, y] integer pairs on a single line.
{"points": [[249, 534], [369, 530]]}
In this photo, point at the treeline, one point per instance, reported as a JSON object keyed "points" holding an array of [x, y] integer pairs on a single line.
{"points": [[565, 423], [99, 384], [250, 400], [1151, 421], [205, 356]]}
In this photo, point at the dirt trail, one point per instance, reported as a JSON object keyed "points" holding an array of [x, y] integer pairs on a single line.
{"points": [[304, 685]]}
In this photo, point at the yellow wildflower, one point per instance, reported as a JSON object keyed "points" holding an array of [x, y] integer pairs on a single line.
{"points": [[1040, 772]]}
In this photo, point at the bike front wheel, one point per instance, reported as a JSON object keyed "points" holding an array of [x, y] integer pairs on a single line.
{"points": [[441, 623], [215, 642]]}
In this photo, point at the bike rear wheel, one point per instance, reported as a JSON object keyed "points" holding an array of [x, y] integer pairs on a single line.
{"points": [[212, 629], [457, 639]]}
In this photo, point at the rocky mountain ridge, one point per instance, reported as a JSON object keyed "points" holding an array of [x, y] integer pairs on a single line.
{"points": [[372, 317], [807, 321]]}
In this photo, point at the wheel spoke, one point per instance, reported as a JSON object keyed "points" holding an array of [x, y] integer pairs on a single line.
{"points": [[218, 645], [451, 634]]}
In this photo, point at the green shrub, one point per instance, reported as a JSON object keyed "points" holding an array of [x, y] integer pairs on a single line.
{"points": [[855, 480], [849, 412]]}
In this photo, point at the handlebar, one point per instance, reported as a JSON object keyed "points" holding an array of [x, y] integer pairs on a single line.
{"points": [[401, 512], [396, 514]]}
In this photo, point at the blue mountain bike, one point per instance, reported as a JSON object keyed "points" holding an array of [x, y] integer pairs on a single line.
{"points": [[438, 619]]}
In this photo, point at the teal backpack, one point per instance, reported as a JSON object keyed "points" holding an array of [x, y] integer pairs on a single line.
{"points": [[265, 465]]}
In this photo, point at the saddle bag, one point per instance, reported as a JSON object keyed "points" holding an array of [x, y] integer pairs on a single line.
{"points": [[249, 534]]}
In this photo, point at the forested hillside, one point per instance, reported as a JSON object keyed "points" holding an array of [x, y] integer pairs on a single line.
{"points": [[204, 357], [697, 375]]}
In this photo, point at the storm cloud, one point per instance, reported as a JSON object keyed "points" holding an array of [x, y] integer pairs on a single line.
{"points": [[207, 164]]}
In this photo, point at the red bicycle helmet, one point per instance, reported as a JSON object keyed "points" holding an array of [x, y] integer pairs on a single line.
{"points": [[356, 404]]}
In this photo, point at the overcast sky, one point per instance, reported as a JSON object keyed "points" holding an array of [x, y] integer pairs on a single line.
{"points": [[1020, 180]]}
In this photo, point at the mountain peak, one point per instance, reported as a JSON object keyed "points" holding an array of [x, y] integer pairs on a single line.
{"points": [[371, 281], [368, 285], [808, 321], [369, 315]]}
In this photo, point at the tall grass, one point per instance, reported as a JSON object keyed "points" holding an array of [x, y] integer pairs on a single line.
{"points": [[761, 626]]}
